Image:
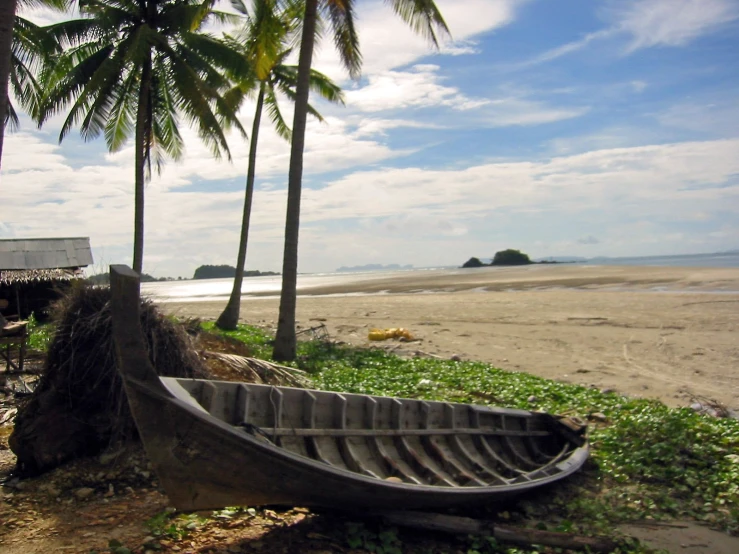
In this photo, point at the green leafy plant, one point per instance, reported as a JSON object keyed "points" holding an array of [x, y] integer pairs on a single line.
{"points": [[170, 525], [39, 334], [257, 339]]}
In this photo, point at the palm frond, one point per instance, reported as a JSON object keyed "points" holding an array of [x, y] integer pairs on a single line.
{"points": [[12, 123], [165, 128], [69, 80], [325, 87], [101, 92], [287, 76], [30, 50], [261, 371], [56, 4], [220, 60], [121, 118], [24, 86], [423, 17], [193, 97], [290, 93], [75, 32], [341, 16], [239, 6], [275, 115]]}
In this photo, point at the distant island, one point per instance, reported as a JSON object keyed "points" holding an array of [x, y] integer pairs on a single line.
{"points": [[503, 257], [104, 279], [374, 267], [225, 272]]}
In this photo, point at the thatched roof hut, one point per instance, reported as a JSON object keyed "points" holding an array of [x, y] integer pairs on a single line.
{"points": [[33, 270]]}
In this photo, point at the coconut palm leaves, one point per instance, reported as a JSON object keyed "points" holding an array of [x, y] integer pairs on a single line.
{"points": [[17, 58], [137, 68], [424, 17], [262, 42], [30, 48]]}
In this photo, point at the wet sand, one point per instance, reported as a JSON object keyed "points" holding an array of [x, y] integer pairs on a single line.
{"points": [[660, 332]]}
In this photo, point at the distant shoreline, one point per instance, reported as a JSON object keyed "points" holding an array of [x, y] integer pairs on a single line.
{"points": [[665, 332], [578, 277]]}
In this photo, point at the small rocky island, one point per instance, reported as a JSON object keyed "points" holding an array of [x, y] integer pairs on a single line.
{"points": [[225, 271], [503, 257]]}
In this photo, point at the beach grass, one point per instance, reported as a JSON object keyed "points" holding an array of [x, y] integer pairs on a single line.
{"points": [[648, 461]]}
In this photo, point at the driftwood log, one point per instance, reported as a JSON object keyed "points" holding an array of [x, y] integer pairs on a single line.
{"points": [[505, 533]]}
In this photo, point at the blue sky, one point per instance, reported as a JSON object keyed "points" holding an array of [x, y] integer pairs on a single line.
{"points": [[559, 127]]}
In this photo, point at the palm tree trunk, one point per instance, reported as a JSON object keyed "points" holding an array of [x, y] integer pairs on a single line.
{"points": [[229, 319], [142, 145], [285, 340], [7, 21]]}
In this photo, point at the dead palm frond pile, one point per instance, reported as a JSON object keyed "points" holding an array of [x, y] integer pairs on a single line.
{"points": [[79, 406], [254, 370]]}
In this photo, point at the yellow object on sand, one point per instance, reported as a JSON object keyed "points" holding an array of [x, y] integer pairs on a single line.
{"points": [[384, 334]]}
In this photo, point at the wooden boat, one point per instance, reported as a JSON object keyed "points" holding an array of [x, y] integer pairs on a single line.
{"points": [[216, 444]]}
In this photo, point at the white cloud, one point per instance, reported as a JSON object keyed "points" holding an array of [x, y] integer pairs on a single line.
{"points": [[716, 116], [356, 209], [379, 127], [568, 48], [650, 23], [417, 88], [460, 48], [422, 87], [439, 213], [670, 22]]}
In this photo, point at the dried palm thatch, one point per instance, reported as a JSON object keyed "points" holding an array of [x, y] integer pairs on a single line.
{"points": [[79, 407], [259, 371], [25, 276]]}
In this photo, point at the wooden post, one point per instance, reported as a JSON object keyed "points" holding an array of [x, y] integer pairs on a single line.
{"points": [[130, 346]]}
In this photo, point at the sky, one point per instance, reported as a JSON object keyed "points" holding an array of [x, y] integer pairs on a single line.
{"points": [[557, 127]]}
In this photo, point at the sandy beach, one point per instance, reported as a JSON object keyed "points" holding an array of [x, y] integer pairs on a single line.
{"points": [[670, 333]]}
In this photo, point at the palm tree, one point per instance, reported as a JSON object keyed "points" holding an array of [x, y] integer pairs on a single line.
{"points": [[262, 41], [8, 34], [424, 17], [136, 67]]}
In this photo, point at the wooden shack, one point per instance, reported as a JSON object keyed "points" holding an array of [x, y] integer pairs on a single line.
{"points": [[33, 272]]}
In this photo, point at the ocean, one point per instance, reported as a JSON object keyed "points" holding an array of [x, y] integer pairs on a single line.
{"points": [[220, 289], [725, 259]]}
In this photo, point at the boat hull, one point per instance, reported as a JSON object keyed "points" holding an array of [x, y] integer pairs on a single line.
{"points": [[206, 463]]}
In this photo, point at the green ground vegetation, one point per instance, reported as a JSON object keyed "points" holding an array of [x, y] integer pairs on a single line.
{"points": [[648, 461], [39, 334]]}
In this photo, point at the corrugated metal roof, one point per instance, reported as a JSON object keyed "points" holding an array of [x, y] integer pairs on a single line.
{"points": [[45, 253]]}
